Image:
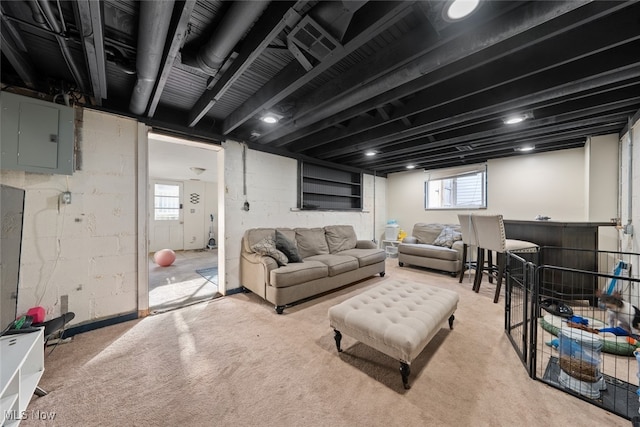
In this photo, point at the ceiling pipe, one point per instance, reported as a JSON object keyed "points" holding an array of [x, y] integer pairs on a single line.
{"points": [[155, 17], [236, 22], [46, 18]]}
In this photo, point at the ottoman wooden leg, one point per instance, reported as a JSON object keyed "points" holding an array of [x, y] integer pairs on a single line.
{"points": [[338, 337], [451, 319], [405, 370]]}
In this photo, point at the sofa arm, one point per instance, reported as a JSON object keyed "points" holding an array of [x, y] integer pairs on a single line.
{"points": [[365, 244], [255, 272], [410, 239], [458, 245]]}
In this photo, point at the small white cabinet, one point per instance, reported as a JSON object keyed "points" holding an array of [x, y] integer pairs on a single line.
{"points": [[21, 367]]}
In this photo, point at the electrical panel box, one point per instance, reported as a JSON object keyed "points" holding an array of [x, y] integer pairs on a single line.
{"points": [[37, 136]]}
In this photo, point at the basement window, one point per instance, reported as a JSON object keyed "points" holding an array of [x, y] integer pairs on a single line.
{"points": [[456, 189], [166, 206]]}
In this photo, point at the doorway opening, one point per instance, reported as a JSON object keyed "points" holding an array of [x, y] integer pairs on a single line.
{"points": [[184, 178]]}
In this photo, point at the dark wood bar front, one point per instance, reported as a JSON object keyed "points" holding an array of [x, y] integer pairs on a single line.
{"points": [[551, 235]]}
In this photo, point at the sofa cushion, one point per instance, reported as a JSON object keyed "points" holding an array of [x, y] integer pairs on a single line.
{"points": [[365, 256], [340, 237], [447, 236], [428, 251], [311, 241], [297, 273], [426, 233], [267, 247], [337, 264], [287, 247]]}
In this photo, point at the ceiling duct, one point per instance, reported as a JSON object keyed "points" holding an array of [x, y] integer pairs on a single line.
{"points": [[310, 37], [335, 16], [236, 22], [155, 17], [321, 31]]}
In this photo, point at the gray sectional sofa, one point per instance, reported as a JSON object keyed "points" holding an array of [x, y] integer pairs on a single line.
{"points": [[435, 246], [286, 265]]}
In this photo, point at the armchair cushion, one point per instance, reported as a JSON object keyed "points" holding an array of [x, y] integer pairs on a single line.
{"points": [[447, 236], [426, 233]]}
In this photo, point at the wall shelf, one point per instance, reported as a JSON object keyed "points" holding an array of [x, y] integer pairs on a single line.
{"points": [[22, 358], [324, 188]]}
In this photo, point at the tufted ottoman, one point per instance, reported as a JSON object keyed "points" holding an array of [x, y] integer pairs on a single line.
{"points": [[398, 318]]}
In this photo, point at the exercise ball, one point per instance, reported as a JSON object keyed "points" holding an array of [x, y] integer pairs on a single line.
{"points": [[164, 257]]}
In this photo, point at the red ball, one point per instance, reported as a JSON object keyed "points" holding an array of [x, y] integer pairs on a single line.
{"points": [[164, 257]]}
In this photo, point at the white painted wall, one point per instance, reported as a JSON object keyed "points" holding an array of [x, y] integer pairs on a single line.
{"points": [[630, 187], [272, 183], [87, 249], [603, 187], [521, 187]]}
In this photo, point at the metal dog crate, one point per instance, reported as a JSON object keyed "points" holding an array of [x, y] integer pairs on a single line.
{"points": [[555, 324]]}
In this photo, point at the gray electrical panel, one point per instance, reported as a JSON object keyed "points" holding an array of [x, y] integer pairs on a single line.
{"points": [[37, 136]]}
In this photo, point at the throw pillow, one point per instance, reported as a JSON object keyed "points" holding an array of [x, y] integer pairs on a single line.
{"points": [[287, 247], [267, 247], [447, 236]]}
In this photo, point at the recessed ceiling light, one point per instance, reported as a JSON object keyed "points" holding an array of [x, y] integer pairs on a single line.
{"points": [[513, 120], [517, 118], [270, 117], [525, 148], [370, 153], [411, 166], [458, 9]]}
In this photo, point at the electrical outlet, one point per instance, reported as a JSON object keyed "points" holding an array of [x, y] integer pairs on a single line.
{"points": [[65, 198], [628, 229]]}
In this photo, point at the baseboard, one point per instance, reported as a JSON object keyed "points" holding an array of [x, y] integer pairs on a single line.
{"points": [[74, 330], [234, 291]]}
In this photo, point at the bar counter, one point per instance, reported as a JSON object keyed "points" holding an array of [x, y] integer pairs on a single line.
{"points": [[562, 234]]}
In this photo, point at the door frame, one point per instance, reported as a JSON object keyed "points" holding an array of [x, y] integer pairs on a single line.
{"points": [[142, 188]]}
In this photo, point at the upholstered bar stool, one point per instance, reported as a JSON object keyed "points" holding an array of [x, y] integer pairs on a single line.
{"points": [[491, 236], [469, 240]]}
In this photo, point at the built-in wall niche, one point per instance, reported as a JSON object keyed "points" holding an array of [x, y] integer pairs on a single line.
{"points": [[324, 188]]}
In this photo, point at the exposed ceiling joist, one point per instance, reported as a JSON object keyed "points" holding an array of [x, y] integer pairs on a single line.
{"points": [[178, 34], [90, 18], [295, 76]]}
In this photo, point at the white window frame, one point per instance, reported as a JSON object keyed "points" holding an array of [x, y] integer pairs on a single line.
{"points": [[158, 214], [442, 181]]}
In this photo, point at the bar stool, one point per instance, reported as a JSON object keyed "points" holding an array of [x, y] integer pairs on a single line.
{"points": [[469, 239], [491, 236]]}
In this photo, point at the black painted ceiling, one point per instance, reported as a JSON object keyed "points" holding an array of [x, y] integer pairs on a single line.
{"points": [[343, 76]]}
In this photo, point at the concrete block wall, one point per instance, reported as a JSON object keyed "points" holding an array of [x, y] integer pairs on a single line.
{"points": [[271, 187], [83, 252]]}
